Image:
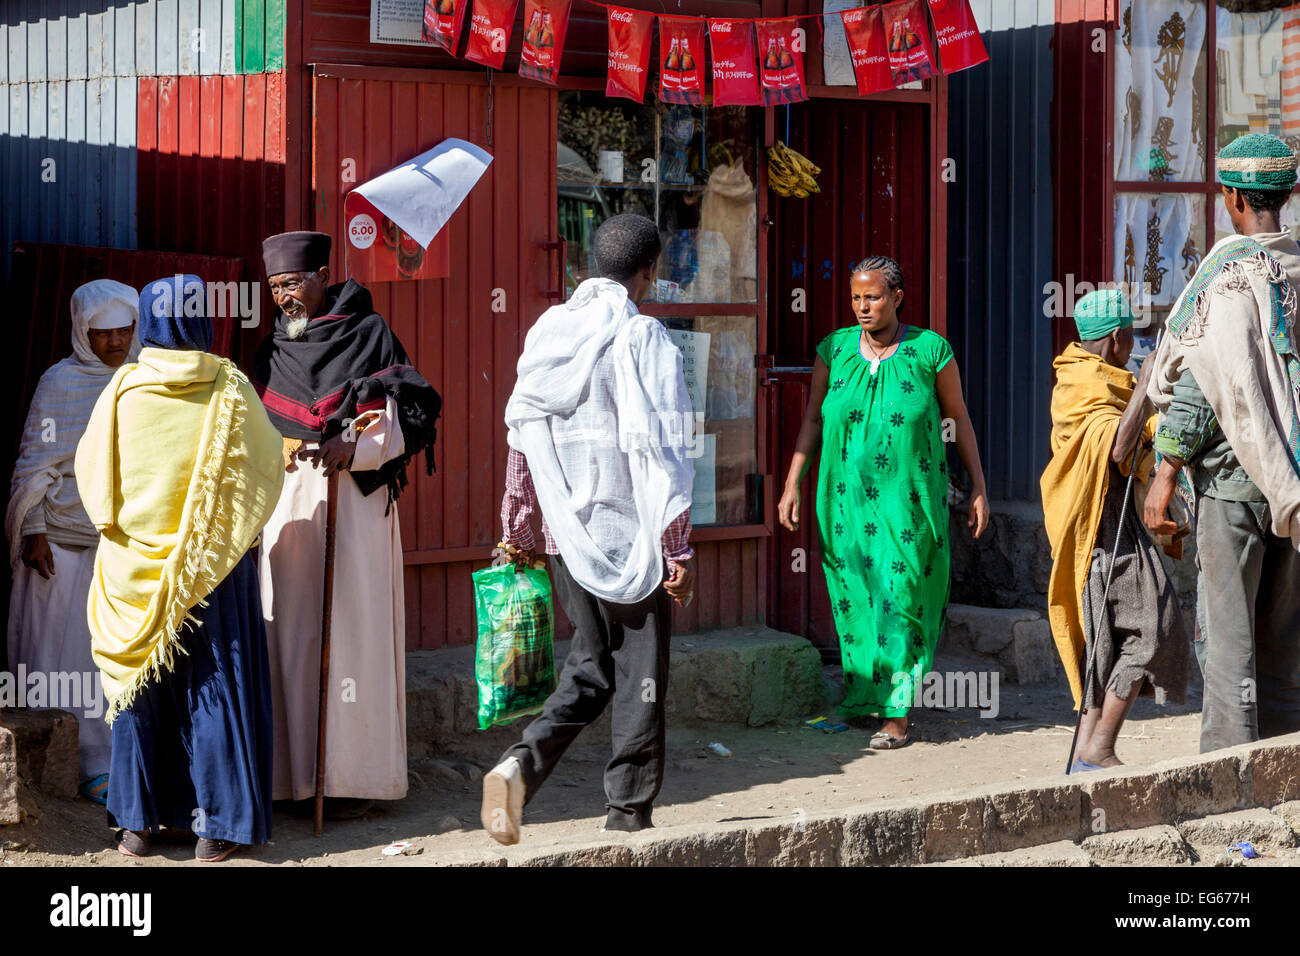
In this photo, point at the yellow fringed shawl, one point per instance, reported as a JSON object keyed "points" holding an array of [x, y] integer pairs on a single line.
{"points": [[1087, 402], [179, 470]]}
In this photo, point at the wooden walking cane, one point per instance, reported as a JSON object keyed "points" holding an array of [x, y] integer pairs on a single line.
{"points": [[331, 512]]}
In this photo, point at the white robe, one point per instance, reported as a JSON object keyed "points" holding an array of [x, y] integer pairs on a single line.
{"points": [[48, 634], [365, 737]]}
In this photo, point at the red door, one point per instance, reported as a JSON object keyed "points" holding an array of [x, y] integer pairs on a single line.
{"points": [[877, 188], [367, 120]]}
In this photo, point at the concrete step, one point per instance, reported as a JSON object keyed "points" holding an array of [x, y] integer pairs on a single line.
{"points": [[750, 675], [1117, 817], [1019, 639]]}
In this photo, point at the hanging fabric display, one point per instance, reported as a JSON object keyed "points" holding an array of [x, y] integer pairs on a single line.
{"points": [[908, 31], [960, 44], [780, 49], [543, 38], [489, 31], [443, 20], [735, 76], [865, 31], [629, 53], [681, 71]]}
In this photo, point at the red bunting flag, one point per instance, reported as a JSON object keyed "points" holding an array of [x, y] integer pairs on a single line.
{"points": [[489, 31], [735, 76], [543, 38], [960, 45], [908, 31], [443, 20], [629, 53], [681, 71], [780, 68], [865, 31]]}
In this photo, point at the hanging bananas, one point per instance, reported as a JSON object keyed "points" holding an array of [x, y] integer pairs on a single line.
{"points": [[790, 173]]}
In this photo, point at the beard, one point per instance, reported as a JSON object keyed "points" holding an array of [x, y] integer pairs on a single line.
{"points": [[297, 327]]}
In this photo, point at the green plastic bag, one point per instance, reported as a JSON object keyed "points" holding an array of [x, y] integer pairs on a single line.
{"points": [[514, 662]]}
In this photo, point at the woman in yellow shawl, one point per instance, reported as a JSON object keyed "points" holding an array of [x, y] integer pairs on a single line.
{"points": [[1141, 637], [179, 470]]}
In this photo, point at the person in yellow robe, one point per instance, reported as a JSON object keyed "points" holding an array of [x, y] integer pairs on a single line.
{"points": [[1141, 637]]}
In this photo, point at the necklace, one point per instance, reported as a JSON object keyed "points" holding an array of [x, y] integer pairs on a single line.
{"points": [[875, 362]]}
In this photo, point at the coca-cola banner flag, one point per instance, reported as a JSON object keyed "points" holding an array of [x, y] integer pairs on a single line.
{"points": [[735, 73], [865, 31], [681, 63], [489, 31], [629, 53], [780, 63], [960, 44], [443, 20], [907, 29], [546, 22]]}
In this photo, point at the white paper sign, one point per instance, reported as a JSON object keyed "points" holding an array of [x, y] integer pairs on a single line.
{"points": [[694, 347], [397, 21], [421, 196]]}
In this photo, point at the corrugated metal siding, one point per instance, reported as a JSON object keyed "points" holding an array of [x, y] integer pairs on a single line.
{"points": [[212, 173], [68, 163], [80, 39], [1000, 229]]}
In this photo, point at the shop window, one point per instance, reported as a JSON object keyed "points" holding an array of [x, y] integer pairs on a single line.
{"points": [[1168, 128], [693, 170]]}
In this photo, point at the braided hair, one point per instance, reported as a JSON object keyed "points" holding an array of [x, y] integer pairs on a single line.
{"points": [[887, 267]]}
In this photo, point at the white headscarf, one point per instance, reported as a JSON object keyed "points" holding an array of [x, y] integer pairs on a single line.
{"points": [[43, 493], [601, 412]]}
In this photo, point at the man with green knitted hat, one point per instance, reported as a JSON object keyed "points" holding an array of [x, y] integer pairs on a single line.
{"points": [[1227, 385], [1098, 415]]}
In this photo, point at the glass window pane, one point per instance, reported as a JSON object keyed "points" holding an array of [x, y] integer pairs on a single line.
{"points": [[1159, 244], [718, 353], [1160, 104], [691, 169], [1254, 92]]}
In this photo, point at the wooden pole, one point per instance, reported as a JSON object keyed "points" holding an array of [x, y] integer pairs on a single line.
{"points": [[331, 511]]}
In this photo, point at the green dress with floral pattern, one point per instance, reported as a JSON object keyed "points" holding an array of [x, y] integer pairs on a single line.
{"points": [[882, 511]]}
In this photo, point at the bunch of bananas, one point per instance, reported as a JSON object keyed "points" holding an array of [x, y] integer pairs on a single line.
{"points": [[790, 173]]}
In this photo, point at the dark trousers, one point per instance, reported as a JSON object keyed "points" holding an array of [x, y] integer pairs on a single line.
{"points": [[619, 653], [1248, 611]]}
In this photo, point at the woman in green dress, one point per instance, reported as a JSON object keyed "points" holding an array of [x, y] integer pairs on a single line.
{"points": [[885, 397]]}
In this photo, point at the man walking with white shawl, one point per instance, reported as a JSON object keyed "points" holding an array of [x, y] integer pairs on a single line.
{"points": [[600, 424], [1227, 384], [51, 540]]}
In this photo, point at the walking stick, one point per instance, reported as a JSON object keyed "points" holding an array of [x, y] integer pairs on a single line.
{"points": [[331, 511], [1090, 669]]}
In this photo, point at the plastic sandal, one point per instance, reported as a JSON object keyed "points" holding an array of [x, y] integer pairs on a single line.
{"points": [[130, 843], [213, 851], [1082, 766], [95, 789], [883, 741]]}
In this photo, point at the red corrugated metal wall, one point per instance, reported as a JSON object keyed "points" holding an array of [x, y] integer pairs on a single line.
{"points": [[212, 172]]}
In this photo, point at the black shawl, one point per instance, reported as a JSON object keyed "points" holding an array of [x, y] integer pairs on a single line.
{"points": [[345, 363]]}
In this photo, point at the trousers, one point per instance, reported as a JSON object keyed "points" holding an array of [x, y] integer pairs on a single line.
{"points": [[1248, 616], [619, 656]]}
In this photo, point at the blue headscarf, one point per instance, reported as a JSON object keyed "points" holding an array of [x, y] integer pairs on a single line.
{"points": [[173, 315]]}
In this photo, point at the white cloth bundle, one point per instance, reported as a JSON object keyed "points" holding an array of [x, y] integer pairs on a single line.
{"points": [[601, 412]]}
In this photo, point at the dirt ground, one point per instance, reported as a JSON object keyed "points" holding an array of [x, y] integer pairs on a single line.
{"points": [[774, 773]]}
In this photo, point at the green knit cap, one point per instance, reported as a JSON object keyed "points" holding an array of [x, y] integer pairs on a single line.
{"points": [[1100, 313], [1257, 161]]}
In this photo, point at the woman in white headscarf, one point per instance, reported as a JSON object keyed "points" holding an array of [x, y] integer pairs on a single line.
{"points": [[51, 540]]}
